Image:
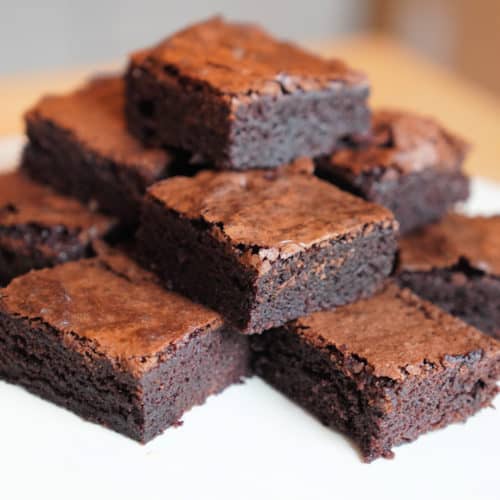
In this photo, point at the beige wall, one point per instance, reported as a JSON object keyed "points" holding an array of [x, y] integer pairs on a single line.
{"points": [[464, 34], [477, 51]]}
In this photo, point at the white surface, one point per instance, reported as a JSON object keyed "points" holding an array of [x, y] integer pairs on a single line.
{"points": [[247, 443]]}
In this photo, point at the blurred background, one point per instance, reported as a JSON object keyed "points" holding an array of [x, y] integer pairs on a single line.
{"points": [[50, 34], [435, 57]]}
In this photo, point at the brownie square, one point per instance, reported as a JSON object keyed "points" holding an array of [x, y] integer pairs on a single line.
{"points": [[265, 247], [456, 264], [79, 144], [102, 339], [240, 98], [383, 370], [409, 163], [39, 228]]}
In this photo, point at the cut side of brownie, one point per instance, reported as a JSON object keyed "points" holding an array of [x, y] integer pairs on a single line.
{"points": [[39, 228], [240, 98], [456, 264], [409, 164], [265, 247], [383, 370], [79, 144], [101, 338]]}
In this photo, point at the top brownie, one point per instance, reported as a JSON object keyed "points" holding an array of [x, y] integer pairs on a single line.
{"points": [[79, 143], [408, 163], [241, 98]]}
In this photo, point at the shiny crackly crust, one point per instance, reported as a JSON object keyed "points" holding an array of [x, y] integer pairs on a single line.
{"points": [[396, 333], [443, 244], [237, 59], [128, 319], [92, 115], [400, 142], [279, 214]]}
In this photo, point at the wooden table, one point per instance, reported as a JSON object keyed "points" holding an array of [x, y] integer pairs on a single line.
{"points": [[399, 76]]}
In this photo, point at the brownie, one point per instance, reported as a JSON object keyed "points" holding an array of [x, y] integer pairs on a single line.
{"points": [[456, 265], [382, 370], [264, 247], [240, 98], [79, 144], [39, 228], [102, 339], [409, 163]]}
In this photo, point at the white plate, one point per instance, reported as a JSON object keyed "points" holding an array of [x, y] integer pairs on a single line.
{"points": [[247, 443]]}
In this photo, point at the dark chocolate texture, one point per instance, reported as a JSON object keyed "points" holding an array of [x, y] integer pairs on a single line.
{"points": [[79, 144], [265, 247], [102, 339], [382, 370], [409, 163], [39, 228], [456, 265], [240, 98]]}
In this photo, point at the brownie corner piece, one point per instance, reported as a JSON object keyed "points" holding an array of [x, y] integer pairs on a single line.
{"points": [[263, 248], [408, 163], [383, 370], [79, 144], [135, 357], [455, 264], [241, 98], [40, 228]]}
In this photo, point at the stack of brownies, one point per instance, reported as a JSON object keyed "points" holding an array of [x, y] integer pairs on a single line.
{"points": [[228, 207]]}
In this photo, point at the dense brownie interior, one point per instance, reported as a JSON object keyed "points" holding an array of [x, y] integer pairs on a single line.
{"points": [[383, 370], [190, 260], [115, 348], [456, 265], [461, 290], [409, 164], [79, 144], [39, 228]]}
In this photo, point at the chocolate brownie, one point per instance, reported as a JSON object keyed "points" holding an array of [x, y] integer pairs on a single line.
{"points": [[264, 247], [79, 144], [456, 265], [101, 338], [383, 370], [240, 98], [39, 228], [409, 163]]}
